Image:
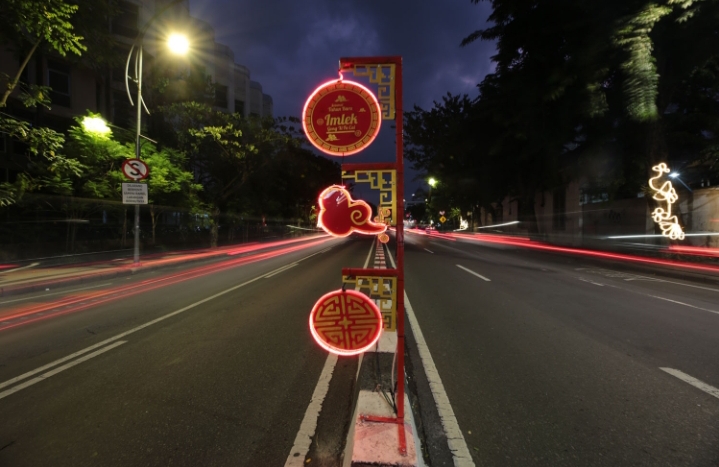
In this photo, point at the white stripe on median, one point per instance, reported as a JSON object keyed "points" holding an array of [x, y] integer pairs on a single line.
{"points": [[711, 390], [474, 273]]}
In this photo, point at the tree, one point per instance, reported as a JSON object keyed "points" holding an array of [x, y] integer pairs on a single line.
{"points": [[29, 23], [170, 185]]}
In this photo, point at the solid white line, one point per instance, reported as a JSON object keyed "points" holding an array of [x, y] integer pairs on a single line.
{"points": [[711, 390], [429, 251], [685, 304], [54, 293], [472, 272], [20, 269], [282, 269], [57, 370], [455, 438], [303, 440]]}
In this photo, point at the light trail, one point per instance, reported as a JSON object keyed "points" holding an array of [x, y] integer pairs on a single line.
{"points": [[34, 313], [526, 243]]}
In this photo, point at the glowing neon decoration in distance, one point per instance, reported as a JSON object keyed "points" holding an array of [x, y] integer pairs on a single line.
{"points": [[341, 118], [346, 322], [340, 215], [666, 193]]}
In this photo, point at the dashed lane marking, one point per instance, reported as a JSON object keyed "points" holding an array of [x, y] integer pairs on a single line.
{"points": [[473, 273], [701, 385]]}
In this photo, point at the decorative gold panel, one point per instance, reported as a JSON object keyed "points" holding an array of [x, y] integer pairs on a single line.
{"points": [[386, 182], [383, 75], [383, 289]]}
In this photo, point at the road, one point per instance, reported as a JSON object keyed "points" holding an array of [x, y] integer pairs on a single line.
{"points": [[557, 360], [546, 360], [223, 382]]}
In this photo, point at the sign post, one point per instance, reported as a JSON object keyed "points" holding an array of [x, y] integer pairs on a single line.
{"points": [[135, 193], [342, 118]]}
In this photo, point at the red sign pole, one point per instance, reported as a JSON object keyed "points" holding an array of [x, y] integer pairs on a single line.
{"points": [[348, 63]]}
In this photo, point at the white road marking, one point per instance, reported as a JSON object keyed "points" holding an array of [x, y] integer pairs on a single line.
{"points": [[282, 269], [628, 277], [303, 440], [135, 329], [711, 390], [429, 251], [54, 293], [589, 281], [20, 269], [474, 273], [455, 438], [57, 370], [685, 304]]}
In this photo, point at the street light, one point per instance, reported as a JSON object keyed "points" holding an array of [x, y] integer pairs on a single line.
{"points": [[675, 175], [96, 125], [178, 44]]}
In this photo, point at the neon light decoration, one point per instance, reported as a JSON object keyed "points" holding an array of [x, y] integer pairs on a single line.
{"points": [[340, 215], [346, 322], [341, 118], [667, 194]]}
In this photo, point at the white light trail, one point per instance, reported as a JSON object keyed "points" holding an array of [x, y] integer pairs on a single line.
{"points": [[499, 225]]}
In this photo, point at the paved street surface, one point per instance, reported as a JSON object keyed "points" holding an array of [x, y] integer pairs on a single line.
{"points": [[546, 359], [556, 360]]}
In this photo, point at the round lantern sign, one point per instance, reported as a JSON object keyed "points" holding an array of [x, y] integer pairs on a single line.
{"points": [[341, 118], [346, 322]]}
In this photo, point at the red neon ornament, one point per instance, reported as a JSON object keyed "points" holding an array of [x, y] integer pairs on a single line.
{"points": [[341, 118], [346, 322], [340, 215]]}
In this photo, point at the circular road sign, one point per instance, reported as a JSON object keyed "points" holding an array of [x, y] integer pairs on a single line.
{"points": [[135, 169], [346, 322], [341, 118]]}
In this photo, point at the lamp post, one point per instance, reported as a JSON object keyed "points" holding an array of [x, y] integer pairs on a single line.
{"points": [[178, 44]]}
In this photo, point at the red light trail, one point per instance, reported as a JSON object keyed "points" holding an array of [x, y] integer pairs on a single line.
{"points": [[78, 302]]}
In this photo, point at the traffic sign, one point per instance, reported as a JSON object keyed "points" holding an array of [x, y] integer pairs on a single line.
{"points": [[443, 219], [135, 169], [346, 322], [134, 193]]}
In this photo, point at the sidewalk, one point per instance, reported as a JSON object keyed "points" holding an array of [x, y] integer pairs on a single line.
{"points": [[35, 276]]}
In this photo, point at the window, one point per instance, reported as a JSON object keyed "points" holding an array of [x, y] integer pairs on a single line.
{"points": [[221, 96], [58, 78], [125, 23], [559, 206], [121, 110], [239, 107]]}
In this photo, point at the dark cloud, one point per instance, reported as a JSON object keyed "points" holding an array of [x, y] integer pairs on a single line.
{"points": [[292, 46]]}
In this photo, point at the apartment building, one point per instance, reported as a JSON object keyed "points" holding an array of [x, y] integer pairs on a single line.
{"points": [[77, 88]]}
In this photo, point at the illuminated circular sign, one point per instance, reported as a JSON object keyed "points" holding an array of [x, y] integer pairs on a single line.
{"points": [[346, 322], [341, 118]]}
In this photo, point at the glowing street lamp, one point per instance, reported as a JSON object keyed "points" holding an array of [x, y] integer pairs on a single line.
{"points": [[96, 125], [178, 44], [432, 182]]}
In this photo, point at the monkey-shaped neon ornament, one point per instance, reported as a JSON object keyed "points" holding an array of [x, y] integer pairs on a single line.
{"points": [[340, 215]]}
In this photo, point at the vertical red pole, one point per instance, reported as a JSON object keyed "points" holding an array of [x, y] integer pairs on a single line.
{"points": [[399, 137]]}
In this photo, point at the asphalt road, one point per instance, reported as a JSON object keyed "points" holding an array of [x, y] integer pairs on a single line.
{"points": [[554, 360], [546, 359], [224, 381]]}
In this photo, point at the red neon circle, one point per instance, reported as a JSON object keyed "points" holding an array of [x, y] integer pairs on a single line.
{"points": [[346, 322], [355, 114]]}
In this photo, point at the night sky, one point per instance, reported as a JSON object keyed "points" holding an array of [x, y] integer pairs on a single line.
{"points": [[291, 47]]}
